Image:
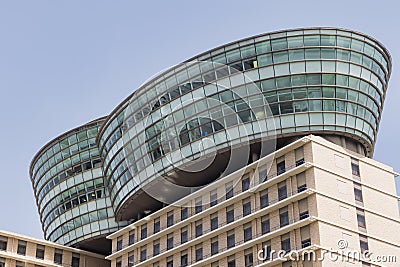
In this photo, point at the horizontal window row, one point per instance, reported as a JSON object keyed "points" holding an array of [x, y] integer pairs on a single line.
{"points": [[321, 79], [57, 190], [66, 162], [71, 192], [78, 221], [300, 42], [73, 139], [86, 232], [327, 53], [82, 199], [58, 178]]}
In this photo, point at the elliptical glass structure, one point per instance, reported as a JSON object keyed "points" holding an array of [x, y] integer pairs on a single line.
{"points": [[69, 185], [325, 81]]}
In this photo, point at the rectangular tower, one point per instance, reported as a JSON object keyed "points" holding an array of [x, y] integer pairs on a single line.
{"points": [[312, 203]]}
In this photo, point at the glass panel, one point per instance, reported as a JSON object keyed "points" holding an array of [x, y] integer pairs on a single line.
{"points": [[313, 53], [296, 54], [313, 40], [328, 53], [328, 40], [280, 57], [263, 47], [279, 44], [283, 82], [328, 79], [294, 42]]}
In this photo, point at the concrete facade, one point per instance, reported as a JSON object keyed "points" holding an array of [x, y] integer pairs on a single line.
{"points": [[328, 202], [22, 251]]}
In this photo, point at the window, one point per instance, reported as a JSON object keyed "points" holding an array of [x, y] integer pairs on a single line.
{"points": [[119, 262], [248, 257], [156, 227], [213, 198], [284, 216], [246, 207], [75, 260], [361, 219], [156, 247], [199, 228], [305, 236], [265, 224], [40, 252], [229, 190], [170, 241], [214, 221], [245, 183], [198, 207], [264, 202], [355, 169], [282, 191], [58, 256], [266, 247], [21, 250], [285, 242], [170, 262], [143, 253], [363, 243], [230, 215], [262, 175], [247, 232], [170, 218], [184, 259], [231, 261], [20, 264], [199, 252], [3, 243], [358, 192], [299, 156], [301, 182], [215, 264], [230, 239], [119, 243], [184, 213], [214, 245], [131, 259], [184, 235], [2, 262], [143, 232], [303, 209], [131, 237], [280, 165]]}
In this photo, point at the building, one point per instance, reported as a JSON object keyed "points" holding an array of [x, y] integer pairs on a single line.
{"points": [[248, 97], [22, 251], [69, 186], [323, 198], [246, 146]]}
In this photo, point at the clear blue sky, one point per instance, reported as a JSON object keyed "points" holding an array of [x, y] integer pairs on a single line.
{"points": [[63, 63]]}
